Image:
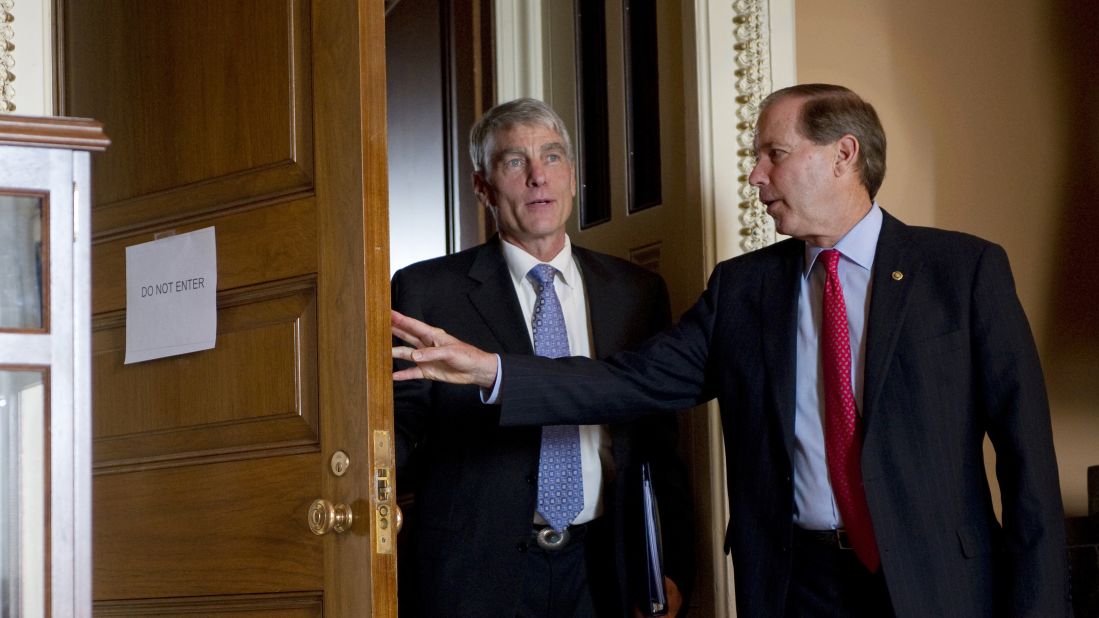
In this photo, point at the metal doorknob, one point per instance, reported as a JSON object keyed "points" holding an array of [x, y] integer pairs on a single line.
{"points": [[325, 516]]}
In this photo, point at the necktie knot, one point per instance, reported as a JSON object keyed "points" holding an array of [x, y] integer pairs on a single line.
{"points": [[831, 259], [548, 322], [542, 275]]}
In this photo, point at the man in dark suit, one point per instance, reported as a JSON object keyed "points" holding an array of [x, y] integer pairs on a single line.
{"points": [[477, 548], [859, 367]]}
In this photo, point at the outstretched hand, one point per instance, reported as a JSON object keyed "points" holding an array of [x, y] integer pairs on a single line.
{"points": [[439, 356]]}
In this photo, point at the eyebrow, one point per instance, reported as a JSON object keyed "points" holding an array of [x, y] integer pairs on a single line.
{"points": [[523, 151], [757, 148]]}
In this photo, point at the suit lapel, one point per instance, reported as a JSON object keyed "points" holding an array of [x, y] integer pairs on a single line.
{"points": [[780, 287], [493, 295], [602, 310], [895, 272]]}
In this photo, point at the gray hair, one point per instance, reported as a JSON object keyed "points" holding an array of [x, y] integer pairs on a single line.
{"points": [[520, 112], [830, 112]]}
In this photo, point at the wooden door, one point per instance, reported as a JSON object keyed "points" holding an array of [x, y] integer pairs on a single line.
{"points": [[266, 120]]}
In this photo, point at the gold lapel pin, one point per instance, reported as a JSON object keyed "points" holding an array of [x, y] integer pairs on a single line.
{"points": [[897, 275]]}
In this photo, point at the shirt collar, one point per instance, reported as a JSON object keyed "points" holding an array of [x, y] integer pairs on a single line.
{"points": [[858, 245], [520, 262]]}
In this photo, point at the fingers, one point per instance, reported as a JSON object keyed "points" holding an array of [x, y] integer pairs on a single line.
{"points": [[422, 355], [417, 333], [412, 373], [406, 337], [439, 356], [402, 327], [411, 326]]}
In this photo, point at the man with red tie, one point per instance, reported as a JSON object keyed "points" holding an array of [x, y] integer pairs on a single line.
{"points": [[859, 366]]}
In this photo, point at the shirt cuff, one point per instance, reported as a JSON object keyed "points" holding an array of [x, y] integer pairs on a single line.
{"points": [[490, 397]]}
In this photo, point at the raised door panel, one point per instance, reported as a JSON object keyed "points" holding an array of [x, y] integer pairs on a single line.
{"points": [[222, 112], [255, 243], [254, 391], [251, 540]]}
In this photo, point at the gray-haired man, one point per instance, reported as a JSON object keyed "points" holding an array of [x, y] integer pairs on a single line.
{"points": [[483, 546]]}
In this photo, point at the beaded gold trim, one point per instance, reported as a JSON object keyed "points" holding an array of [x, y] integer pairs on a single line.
{"points": [[7, 56], [753, 82]]}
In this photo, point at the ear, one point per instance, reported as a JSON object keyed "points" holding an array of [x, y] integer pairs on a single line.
{"points": [[482, 189], [847, 155]]}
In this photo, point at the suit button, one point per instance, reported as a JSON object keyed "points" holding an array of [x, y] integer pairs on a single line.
{"points": [[522, 547], [530, 479]]}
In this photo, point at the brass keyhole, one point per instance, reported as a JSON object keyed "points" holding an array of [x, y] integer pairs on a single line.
{"points": [[340, 463]]}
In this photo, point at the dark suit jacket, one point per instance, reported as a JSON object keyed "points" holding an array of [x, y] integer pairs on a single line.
{"points": [[475, 482], [949, 360]]}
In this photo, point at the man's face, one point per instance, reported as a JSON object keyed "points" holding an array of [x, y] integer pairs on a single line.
{"points": [[795, 177], [529, 186]]}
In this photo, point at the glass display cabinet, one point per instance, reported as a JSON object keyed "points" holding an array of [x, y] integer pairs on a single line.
{"points": [[45, 393]]}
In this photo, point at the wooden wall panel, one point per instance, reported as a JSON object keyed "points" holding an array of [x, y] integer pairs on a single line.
{"points": [[218, 113], [265, 546], [255, 390]]}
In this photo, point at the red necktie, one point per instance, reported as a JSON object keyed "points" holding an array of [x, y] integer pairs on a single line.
{"points": [[842, 439]]}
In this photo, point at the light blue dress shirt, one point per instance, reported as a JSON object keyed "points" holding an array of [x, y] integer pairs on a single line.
{"points": [[814, 503]]}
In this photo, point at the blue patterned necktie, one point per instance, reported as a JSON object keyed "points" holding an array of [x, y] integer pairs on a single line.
{"points": [[560, 482]]}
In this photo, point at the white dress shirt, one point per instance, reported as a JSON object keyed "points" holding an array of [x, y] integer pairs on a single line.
{"points": [[595, 441]]}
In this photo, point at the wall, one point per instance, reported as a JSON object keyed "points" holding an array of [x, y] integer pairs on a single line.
{"points": [[983, 104]]}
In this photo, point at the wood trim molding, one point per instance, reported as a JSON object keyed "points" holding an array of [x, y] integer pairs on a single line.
{"points": [[48, 132], [745, 48], [289, 603], [519, 54]]}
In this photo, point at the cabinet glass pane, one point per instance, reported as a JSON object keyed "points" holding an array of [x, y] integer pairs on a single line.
{"points": [[21, 262], [22, 493]]}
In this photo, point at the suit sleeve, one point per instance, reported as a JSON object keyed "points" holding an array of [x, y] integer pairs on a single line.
{"points": [[1012, 391], [669, 372]]}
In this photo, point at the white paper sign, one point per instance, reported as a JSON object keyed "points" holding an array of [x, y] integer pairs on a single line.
{"points": [[171, 296]]}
